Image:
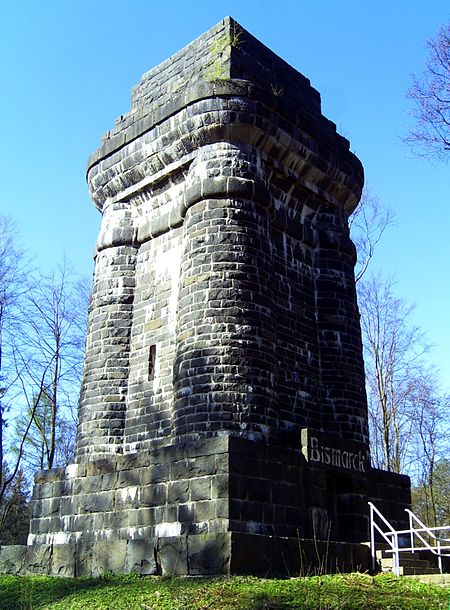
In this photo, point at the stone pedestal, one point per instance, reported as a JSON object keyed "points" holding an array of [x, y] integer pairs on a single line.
{"points": [[204, 507]]}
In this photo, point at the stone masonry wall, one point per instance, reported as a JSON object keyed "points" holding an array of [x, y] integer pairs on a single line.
{"points": [[181, 317], [234, 198], [287, 245], [183, 509], [178, 489], [149, 417], [224, 369], [103, 397]]}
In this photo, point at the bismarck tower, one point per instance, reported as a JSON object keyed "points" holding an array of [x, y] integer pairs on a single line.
{"points": [[223, 415]]}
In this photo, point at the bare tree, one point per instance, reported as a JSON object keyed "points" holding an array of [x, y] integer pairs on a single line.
{"points": [[435, 512], [42, 328], [407, 411], [13, 271], [442, 491], [367, 225], [430, 94], [393, 359], [37, 448], [431, 433], [48, 357]]}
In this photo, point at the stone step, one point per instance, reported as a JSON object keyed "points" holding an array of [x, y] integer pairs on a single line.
{"points": [[381, 554], [411, 564], [432, 579], [388, 562], [404, 556], [409, 567], [412, 571]]}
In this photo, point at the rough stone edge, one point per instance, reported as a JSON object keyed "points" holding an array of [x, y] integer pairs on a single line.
{"points": [[221, 553]]}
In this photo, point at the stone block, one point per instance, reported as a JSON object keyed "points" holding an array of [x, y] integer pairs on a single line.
{"points": [[153, 495], [69, 505], [97, 502], [141, 557], [222, 508], [142, 517], [204, 511], [40, 559], [46, 490], [49, 476], [13, 559], [113, 520], [157, 473], [200, 489], [109, 481], [98, 467], [209, 554], [171, 556], [178, 492], [97, 558], [63, 560]]}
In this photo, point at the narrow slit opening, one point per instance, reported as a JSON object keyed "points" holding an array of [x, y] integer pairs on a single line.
{"points": [[151, 362]]}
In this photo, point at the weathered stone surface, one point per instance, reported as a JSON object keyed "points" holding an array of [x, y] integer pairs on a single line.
{"points": [[141, 557], [63, 560], [271, 557], [239, 197], [39, 559], [13, 559], [171, 555], [209, 554], [100, 557]]}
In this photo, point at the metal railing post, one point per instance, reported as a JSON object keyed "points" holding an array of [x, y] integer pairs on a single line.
{"points": [[372, 539], [439, 555], [387, 535], [396, 555]]}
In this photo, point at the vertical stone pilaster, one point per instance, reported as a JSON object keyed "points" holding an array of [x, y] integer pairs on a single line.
{"points": [[225, 357], [150, 393], [103, 396], [344, 406]]}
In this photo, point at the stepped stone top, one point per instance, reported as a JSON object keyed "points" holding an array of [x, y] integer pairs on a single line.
{"points": [[228, 63], [225, 52]]}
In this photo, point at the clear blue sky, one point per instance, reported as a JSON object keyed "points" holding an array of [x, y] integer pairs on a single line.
{"points": [[67, 69]]}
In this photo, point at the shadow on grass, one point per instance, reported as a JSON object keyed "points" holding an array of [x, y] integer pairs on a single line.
{"points": [[35, 592], [42, 592]]}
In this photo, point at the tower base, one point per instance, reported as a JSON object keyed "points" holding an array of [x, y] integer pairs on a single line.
{"points": [[220, 505]]}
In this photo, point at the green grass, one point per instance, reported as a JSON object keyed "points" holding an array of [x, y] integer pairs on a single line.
{"points": [[343, 592]]}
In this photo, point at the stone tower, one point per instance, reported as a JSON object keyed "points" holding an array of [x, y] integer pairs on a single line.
{"points": [[223, 414]]}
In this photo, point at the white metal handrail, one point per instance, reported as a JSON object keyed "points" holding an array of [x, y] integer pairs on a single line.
{"points": [[391, 536], [435, 549]]}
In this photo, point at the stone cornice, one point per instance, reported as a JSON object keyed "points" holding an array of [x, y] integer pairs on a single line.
{"points": [[314, 150]]}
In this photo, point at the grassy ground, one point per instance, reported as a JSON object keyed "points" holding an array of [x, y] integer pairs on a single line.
{"points": [[343, 592]]}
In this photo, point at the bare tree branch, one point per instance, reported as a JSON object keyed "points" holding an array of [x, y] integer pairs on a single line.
{"points": [[42, 328], [367, 225], [394, 351], [430, 94]]}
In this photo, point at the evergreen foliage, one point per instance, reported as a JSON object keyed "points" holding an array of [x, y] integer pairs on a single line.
{"points": [[14, 513]]}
